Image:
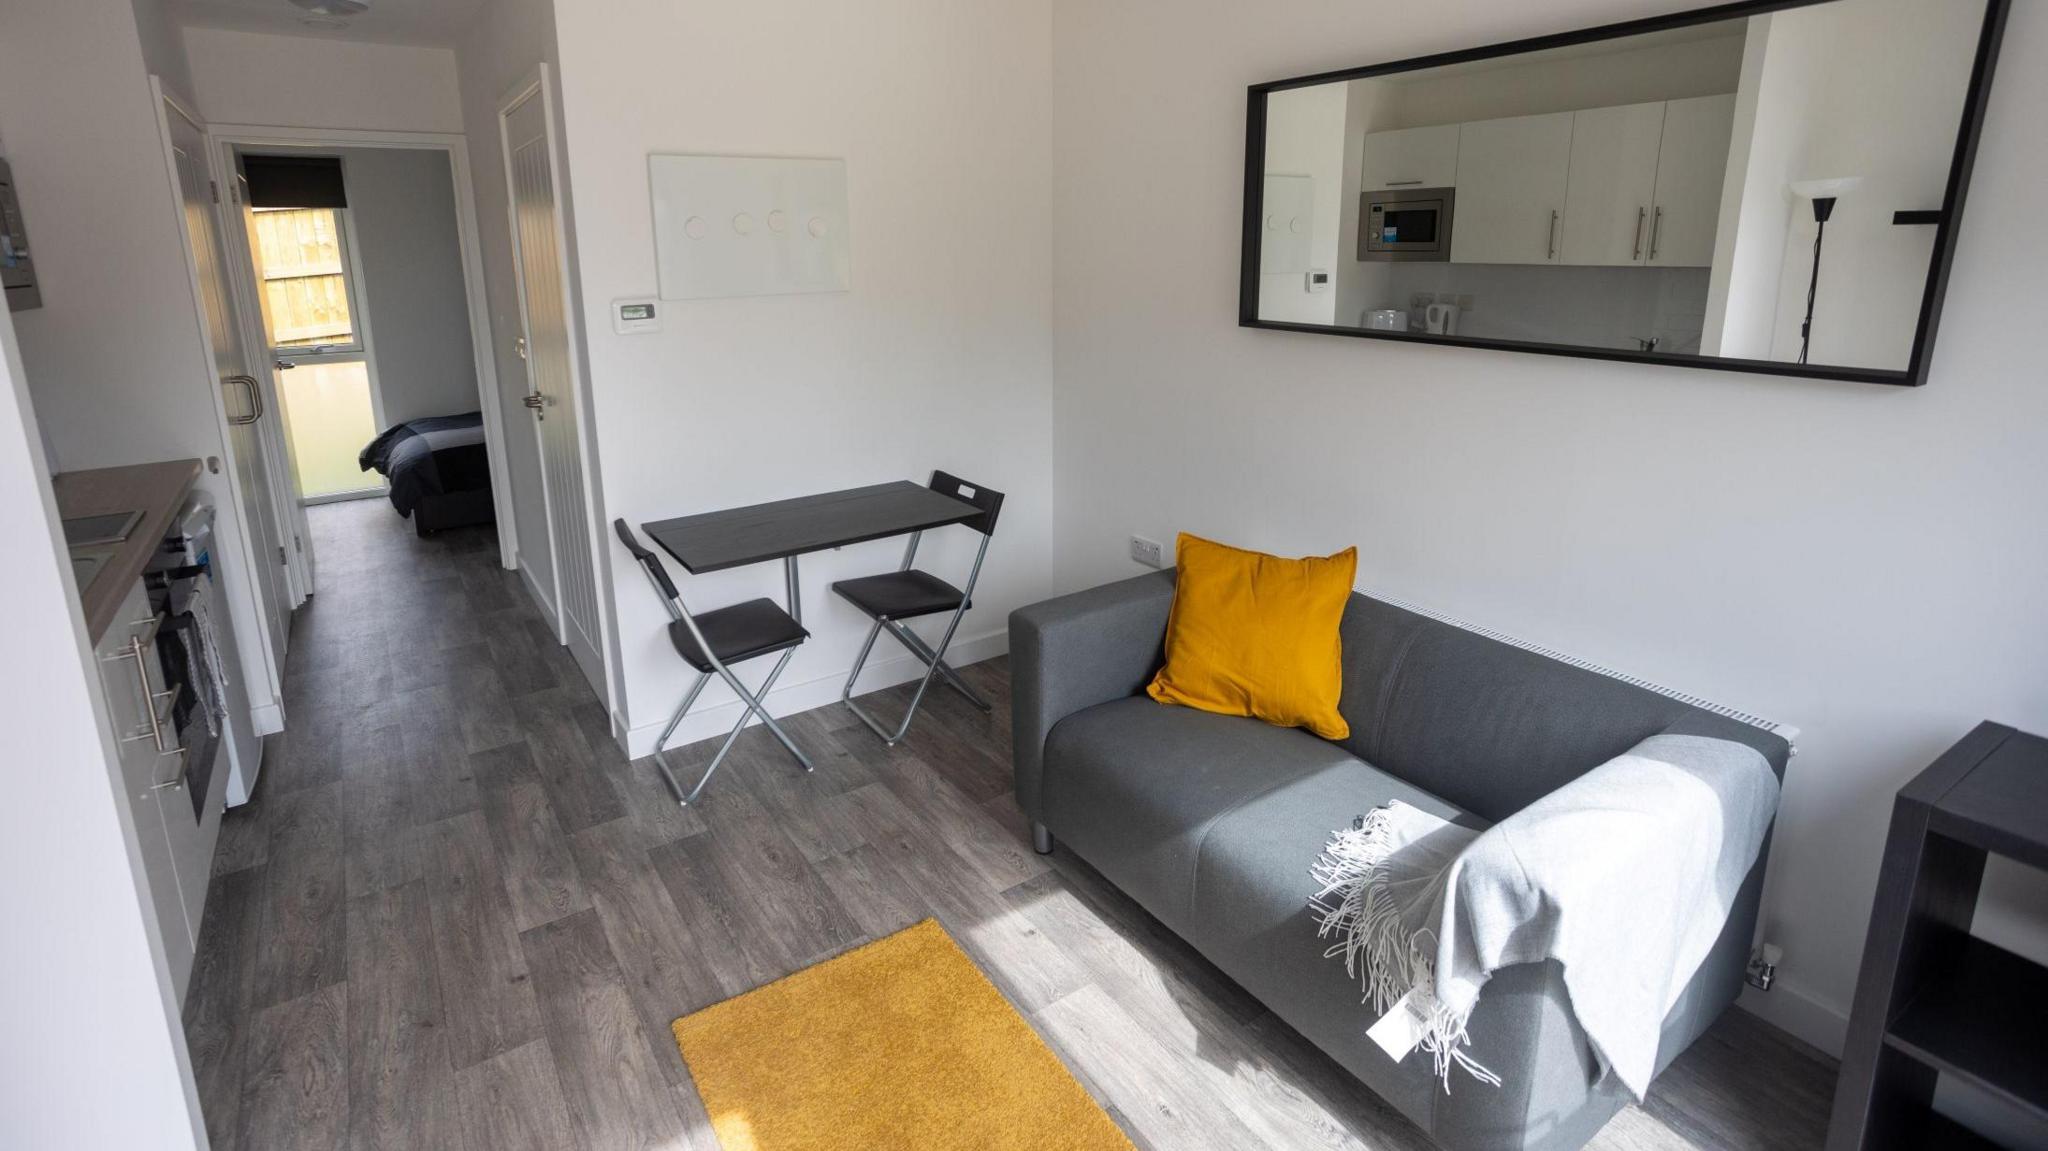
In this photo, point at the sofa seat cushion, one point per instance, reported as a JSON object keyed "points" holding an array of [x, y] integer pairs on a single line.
{"points": [[1134, 786], [1139, 789]]}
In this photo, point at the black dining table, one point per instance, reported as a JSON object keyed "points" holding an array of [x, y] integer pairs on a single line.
{"points": [[786, 529]]}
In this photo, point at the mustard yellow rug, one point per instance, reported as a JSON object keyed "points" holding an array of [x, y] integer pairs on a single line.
{"points": [[900, 1043]]}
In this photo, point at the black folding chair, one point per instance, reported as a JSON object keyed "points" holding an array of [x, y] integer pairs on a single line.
{"points": [[908, 593], [710, 643]]}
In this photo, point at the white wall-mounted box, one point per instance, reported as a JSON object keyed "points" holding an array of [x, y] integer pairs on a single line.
{"points": [[749, 226]]}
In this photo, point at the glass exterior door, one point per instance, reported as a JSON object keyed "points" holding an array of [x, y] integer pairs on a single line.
{"points": [[310, 307]]}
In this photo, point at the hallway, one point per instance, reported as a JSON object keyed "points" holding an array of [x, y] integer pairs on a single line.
{"points": [[456, 917]]}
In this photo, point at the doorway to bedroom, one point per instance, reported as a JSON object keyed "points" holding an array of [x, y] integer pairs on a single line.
{"points": [[360, 281], [307, 279]]}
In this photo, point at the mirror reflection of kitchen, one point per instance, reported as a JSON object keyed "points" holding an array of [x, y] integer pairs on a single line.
{"points": [[1669, 192]]}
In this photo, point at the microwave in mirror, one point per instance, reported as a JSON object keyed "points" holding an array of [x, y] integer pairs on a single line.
{"points": [[1406, 225], [1765, 187]]}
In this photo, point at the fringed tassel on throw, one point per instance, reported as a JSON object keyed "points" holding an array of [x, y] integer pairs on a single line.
{"points": [[1353, 903]]}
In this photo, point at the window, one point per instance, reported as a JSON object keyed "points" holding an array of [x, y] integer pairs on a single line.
{"points": [[307, 289], [302, 264]]}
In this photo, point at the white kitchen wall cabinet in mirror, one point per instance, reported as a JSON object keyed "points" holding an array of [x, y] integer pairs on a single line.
{"points": [[1764, 187]]}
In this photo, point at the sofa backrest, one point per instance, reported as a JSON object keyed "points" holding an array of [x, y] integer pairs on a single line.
{"points": [[1492, 727]]}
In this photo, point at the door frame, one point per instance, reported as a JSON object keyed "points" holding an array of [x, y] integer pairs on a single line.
{"points": [[266, 713], [225, 138], [539, 84]]}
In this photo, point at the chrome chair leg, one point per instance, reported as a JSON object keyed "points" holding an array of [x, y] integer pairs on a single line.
{"points": [[923, 651], [934, 657], [753, 708], [860, 661], [931, 668], [661, 743]]}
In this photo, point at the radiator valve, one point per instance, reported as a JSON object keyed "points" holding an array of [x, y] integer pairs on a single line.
{"points": [[1763, 966]]}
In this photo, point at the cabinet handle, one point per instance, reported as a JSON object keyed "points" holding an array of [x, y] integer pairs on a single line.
{"points": [[1656, 231], [177, 779], [153, 623], [1402, 183], [1550, 237], [156, 728], [1638, 253]]}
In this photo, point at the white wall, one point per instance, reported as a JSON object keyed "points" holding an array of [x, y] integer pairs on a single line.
{"points": [[1860, 561], [939, 357], [114, 356], [402, 208], [92, 1055], [1872, 89], [1305, 137], [163, 48], [303, 82], [1887, 81], [501, 50], [1756, 208]]}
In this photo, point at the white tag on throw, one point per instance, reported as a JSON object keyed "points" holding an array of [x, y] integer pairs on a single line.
{"points": [[1404, 1025]]}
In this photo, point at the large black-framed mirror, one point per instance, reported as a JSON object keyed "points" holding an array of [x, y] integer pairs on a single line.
{"points": [[1770, 187]]}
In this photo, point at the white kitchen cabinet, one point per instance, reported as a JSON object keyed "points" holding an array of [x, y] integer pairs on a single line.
{"points": [[150, 777], [1511, 181], [1410, 158], [1612, 186], [1691, 166]]}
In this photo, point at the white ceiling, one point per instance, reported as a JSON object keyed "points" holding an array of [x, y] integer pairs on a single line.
{"points": [[432, 22]]}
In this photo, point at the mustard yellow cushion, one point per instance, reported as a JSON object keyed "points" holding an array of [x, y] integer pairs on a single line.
{"points": [[1253, 634]]}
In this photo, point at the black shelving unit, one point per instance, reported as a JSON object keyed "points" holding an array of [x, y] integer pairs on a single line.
{"points": [[1933, 999]]}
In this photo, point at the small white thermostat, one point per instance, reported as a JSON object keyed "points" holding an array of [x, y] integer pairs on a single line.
{"points": [[1317, 280], [634, 317]]}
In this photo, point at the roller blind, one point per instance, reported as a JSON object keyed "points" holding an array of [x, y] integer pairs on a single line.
{"points": [[294, 181]]}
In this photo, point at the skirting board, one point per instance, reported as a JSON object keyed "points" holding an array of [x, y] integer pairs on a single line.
{"points": [[1798, 1014], [788, 699], [540, 599], [267, 718]]}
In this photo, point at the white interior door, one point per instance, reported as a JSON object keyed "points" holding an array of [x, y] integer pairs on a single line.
{"points": [[552, 401], [246, 396], [1511, 189], [1612, 181]]}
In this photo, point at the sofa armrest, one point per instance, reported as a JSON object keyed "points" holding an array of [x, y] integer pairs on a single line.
{"points": [[1077, 651]]}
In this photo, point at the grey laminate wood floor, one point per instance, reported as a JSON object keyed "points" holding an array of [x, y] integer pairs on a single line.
{"points": [[456, 917]]}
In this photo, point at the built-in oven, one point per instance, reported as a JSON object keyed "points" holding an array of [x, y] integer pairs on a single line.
{"points": [[1408, 224]]}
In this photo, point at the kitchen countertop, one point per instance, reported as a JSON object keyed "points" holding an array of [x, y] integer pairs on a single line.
{"points": [[157, 491]]}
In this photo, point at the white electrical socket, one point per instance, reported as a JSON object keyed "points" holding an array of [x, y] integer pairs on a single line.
{"points": [[1147, 552]]}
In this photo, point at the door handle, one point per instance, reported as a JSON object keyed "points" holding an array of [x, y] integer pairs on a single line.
{"points": [[536, 401], [1656, 231], [1402, 183], [1638, 253], [1550, 237], [255, 399]]}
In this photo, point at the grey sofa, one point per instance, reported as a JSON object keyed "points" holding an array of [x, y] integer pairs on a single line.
{"points": [[1211, 822]]}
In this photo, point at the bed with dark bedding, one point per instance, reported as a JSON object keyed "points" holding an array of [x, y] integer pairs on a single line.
{"points": [[439, 471]]}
